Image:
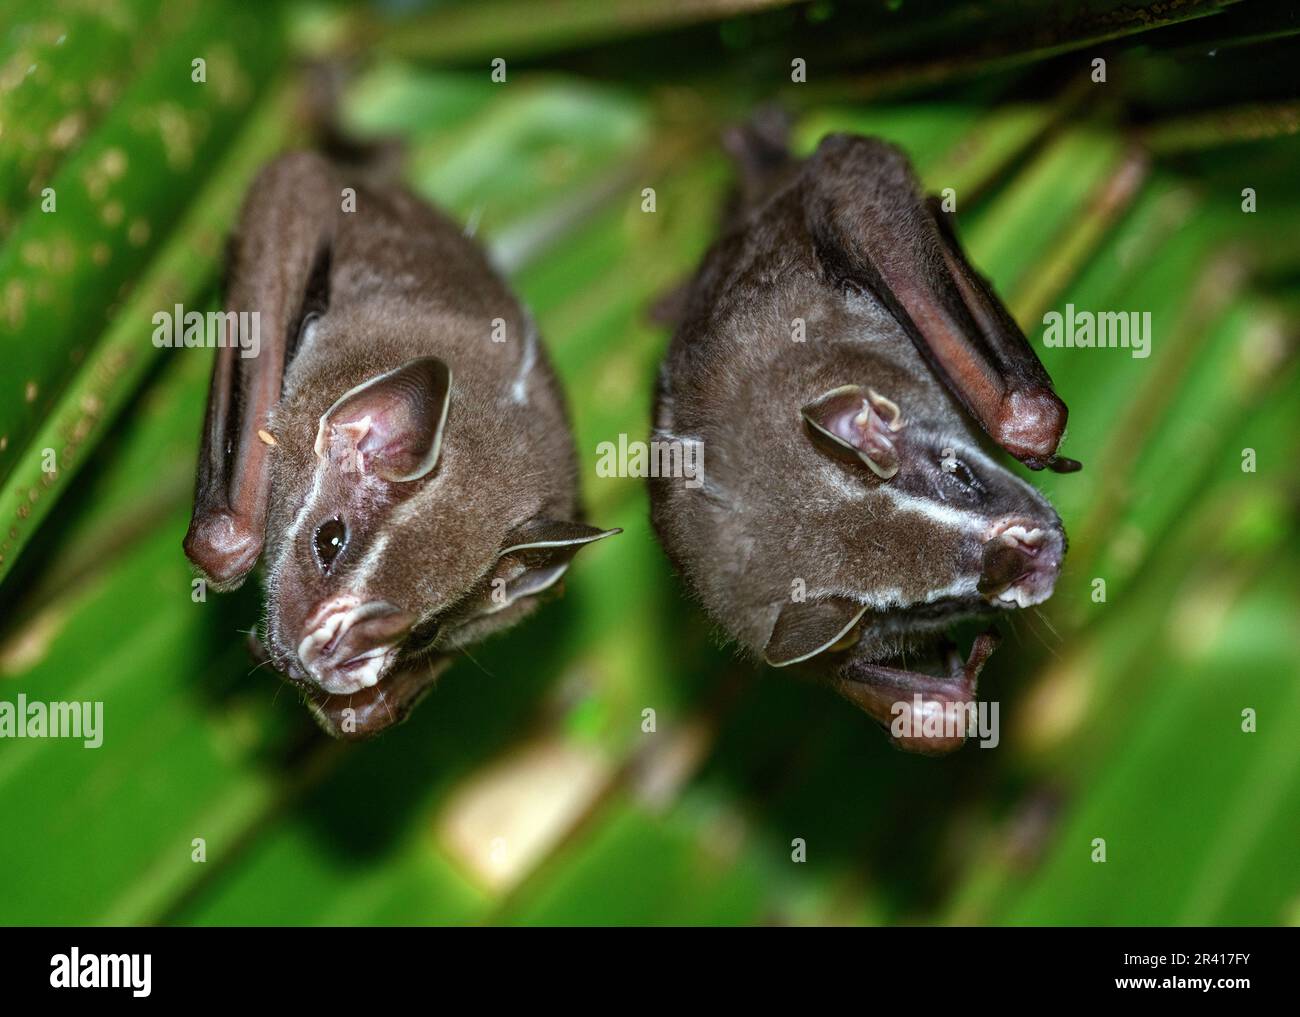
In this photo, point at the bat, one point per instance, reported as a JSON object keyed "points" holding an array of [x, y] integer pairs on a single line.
{"points": [[397, 454], [843, 369]]}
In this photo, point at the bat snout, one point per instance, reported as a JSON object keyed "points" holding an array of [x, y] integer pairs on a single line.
{"points": [[1020, 563], [348, 644]]}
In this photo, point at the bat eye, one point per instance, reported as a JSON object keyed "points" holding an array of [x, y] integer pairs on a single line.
{"points": [[961, 475], [967, 477], [423, 635], [331, 535]]}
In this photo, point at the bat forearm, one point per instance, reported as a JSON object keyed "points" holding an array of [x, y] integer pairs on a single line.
{"points": [[288, 221]]}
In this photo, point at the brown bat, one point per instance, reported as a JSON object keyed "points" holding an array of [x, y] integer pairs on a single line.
{"points": [[832, 351], [398, 452]]}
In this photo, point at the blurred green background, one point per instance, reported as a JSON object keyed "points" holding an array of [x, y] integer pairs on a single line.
{"points": [[524, 790]]}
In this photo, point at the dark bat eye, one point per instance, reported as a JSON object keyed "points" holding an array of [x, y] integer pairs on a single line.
{"points": [[961, 476], [969, 478], [423, 635], [331, 535]]}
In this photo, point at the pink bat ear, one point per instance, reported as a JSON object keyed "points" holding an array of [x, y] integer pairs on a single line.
{"points": [[860, 422], [390, 426]]}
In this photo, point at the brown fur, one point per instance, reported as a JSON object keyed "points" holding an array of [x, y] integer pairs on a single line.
{"points": [[403, 282], [776, 507]]}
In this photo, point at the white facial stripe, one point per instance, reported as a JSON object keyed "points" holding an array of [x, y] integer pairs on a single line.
{"points": [[309, 503], [945, 515], [884, 600], [369, 564], [959, 589]]}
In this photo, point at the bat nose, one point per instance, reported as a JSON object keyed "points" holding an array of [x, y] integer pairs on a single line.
{"points": [[348, 643], [1020, 563]]}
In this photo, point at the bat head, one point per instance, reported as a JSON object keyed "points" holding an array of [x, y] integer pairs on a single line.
{"points": [[948, 530], [407, 516], [860, 504]]}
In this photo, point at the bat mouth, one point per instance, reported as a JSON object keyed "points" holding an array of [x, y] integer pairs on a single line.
{"points": [[925, 700], [935, 652], [1017, 569], [361, 715], [350, 644], [363, 671], [918, 625], [364, 712], [924, 638]]}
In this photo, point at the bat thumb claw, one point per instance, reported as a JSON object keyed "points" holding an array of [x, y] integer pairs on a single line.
{"points": [[222, 548], [1029, 425]]}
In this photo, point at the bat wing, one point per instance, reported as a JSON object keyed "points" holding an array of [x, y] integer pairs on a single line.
{"points": [[284, 239], [872, 229]]}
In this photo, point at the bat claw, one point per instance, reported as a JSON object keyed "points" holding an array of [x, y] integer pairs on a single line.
{"points": [[1057, 464], [223, 548]]}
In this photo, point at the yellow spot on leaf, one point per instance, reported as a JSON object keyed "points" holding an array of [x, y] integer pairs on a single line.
{"points": [[66, 132], [509, 816], [28, 647], [114, 163]]}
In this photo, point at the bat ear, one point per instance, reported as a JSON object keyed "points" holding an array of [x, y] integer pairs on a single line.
{"points": [[804, 630], [390, 426], [535, 555], [858, 423]]}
